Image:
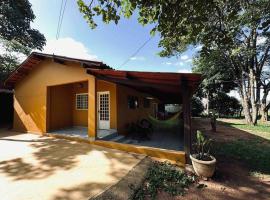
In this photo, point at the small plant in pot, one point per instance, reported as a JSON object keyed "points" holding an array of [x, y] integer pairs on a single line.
{"points": [[203, 163]]}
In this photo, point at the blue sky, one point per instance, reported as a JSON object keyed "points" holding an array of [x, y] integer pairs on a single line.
{"points": [[112, 44]]}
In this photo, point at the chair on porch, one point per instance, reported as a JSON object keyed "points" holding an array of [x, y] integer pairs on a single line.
{"points": [[141, 130]]}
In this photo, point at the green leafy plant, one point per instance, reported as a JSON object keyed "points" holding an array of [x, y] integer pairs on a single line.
{"points": [[163, 177], [202, 147]]}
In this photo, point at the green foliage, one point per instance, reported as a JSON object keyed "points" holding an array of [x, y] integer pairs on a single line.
{"points": [[229, 32], [165, 177], [202, 146], [15, 20], [184, 22], [196, 107], [16, 35], [225, 105], [217, 73]]}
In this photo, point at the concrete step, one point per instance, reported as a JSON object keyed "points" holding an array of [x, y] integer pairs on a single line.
{"points": [[109, 136], [118, 138]]}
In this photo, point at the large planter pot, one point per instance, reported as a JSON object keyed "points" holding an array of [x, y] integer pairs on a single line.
{"points": [[203, 168]]}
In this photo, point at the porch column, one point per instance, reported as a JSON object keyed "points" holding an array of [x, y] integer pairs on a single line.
{"points": [[92, 110], [186, 107]]}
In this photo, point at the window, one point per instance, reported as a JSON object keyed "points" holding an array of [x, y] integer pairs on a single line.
{"points": [[82, 101], [133, 102], [146, 103]]}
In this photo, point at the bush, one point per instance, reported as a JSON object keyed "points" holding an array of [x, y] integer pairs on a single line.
{"points": [[196, 107], [165, 177]]}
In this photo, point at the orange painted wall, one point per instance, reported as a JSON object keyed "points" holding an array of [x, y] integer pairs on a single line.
{"points": [[80, 117], [126, 115], [60, 107], [31, 113], [111, 87]]}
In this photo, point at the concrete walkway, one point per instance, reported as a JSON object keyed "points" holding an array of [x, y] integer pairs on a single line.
{"points": [[34, 167]]}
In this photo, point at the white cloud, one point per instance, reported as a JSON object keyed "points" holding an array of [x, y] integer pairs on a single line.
{"points": [[184, 71], [261, 40], [140, 58], [179, 63], [184, 57], [68, 47], [167, 63], [21, 57], [234, 93], [188, 60], [198, 48]]}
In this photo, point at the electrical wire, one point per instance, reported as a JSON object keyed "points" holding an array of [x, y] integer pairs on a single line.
{"points": [[136, 52], [60, 18]]}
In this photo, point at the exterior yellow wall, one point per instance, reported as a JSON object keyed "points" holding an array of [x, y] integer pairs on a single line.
{"points": [[80, 117], [30, 97], [32, 100], [103, 86], [126, 115], [60, 107]]}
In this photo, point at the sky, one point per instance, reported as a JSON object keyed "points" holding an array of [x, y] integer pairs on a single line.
{"points": [[109, 43]]}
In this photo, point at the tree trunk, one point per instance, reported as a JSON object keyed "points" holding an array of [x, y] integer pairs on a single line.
{"points": [[263, 109], [245, 103], [253, 97], [207, 103]]}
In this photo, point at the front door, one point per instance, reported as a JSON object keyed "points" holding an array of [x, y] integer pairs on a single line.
{"points": [[104, 110]]}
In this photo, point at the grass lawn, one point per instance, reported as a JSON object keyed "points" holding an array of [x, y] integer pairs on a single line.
{"points": [[253, 151], [262, 129]]}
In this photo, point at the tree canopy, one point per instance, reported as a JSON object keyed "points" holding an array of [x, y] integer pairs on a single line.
{"points": [[16, 35], [236, 32]]}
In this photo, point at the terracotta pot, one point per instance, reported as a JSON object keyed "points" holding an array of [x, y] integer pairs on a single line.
{"points": [[203, 168]]}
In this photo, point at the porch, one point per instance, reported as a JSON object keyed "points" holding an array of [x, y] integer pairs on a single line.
{"points": [[160, 139], [115, 99]]}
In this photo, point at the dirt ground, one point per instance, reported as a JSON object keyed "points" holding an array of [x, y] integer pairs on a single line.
{"points": [[42, 168], [232, 180]]}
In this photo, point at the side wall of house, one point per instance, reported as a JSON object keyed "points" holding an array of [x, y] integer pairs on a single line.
{"points": [[79, 116], [126, 115], [103, 86], [60, 106], [31, 102]]}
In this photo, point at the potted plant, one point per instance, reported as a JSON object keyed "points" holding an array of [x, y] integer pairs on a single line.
{"points": [[203, 163]]}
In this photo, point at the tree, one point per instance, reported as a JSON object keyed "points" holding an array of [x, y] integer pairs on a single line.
{"points": [[225, 105], [196, 107], [265, 81], [238, 29], [16, 35], [216, 76]]}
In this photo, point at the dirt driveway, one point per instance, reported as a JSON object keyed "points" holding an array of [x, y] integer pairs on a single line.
{"points": [[34, 167]]}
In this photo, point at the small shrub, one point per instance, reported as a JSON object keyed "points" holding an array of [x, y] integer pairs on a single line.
{"points": [[163, 177]]}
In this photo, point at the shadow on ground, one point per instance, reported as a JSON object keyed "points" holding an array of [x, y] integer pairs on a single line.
{"points": [[50, 156]]}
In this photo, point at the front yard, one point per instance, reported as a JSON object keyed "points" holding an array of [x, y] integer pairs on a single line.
{"points": [[60, 169], [251, 145], [34, 167], [243, 168]]}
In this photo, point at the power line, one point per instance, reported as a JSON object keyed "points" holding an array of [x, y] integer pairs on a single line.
{"points": [[60, 18], [136, 52]]}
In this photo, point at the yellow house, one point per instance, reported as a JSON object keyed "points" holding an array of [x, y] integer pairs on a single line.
{"points": [[53, 93]]}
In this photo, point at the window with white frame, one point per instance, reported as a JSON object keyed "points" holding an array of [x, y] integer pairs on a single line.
{"points": [[82, 101]]}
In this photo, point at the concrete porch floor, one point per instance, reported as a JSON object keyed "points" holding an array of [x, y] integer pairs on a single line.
{"points": [[34, 167], [159, 139], [80, 131]]}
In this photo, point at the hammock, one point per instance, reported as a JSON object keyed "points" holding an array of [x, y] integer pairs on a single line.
{"points": [[168, 123]]}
